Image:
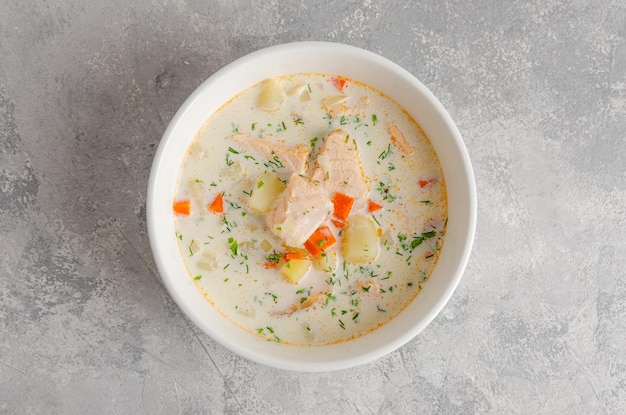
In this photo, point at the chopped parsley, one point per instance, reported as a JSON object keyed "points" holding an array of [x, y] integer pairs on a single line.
{"points": [[233, 246], [229, 162], [385, 153], [274, 296], [385, 192]]}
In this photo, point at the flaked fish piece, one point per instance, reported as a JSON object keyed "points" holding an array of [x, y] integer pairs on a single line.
{"points": [[294, 158], [339, 168], [399, 140], [308, 302], [299, 210], [313, 299]]}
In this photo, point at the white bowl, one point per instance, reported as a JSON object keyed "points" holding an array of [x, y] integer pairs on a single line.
{"points": [[332, 58]]}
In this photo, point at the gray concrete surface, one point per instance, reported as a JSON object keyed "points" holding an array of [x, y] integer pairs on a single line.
{"points": [[537, 325]]}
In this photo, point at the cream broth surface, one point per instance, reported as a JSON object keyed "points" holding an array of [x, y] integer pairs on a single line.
{"points": [[234, 258]]}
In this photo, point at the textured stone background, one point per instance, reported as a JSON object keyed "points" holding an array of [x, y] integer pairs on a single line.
{"points": [[538, 90]]}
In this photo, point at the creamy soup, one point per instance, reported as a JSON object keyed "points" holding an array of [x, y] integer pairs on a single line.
{"points": [[310, 209]]}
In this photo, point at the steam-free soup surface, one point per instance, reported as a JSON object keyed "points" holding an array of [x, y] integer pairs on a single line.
{"points": [[310, 209]]}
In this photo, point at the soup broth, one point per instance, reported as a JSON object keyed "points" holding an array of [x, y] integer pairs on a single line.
{"points": [[310, 209]]}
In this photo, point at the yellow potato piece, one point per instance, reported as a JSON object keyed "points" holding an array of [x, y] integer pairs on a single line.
{"points": [[360, 240], [333, 102], [271, 95], [326, 262], [305, 96], [197, 190], [208, 262], [296, 269], [266, 190], [265, 245]]}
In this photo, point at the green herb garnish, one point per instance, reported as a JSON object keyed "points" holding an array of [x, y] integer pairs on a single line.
{"points": [[385, 153], [233, 246]]}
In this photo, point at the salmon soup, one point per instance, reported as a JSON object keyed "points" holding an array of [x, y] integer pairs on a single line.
{"points": [[310, 209]]}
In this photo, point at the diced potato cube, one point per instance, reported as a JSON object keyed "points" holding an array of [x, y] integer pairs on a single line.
{"points": [[266, 190], [247, 246], [235, 171], [333, 102], [296, 88], [305, 96], [387, 241], [271, 95], [301, 90], [265, 245], [326, 262], [294, 270], [207, 262], [194, 247], [360, 240], [198, 151], [197, 190]]}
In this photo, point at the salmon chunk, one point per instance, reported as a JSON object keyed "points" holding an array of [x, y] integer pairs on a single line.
{"points": [[399, 140], [294, 158], [299, 210], [338, 167]]}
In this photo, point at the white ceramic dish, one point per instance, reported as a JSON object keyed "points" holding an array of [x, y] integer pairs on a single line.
{"points": [[377, 72]]}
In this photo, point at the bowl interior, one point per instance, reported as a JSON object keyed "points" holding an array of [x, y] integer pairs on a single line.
{"points": [[379, 73]]}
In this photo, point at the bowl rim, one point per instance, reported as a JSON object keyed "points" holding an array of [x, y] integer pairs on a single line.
{"points": [[350, 353]]}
